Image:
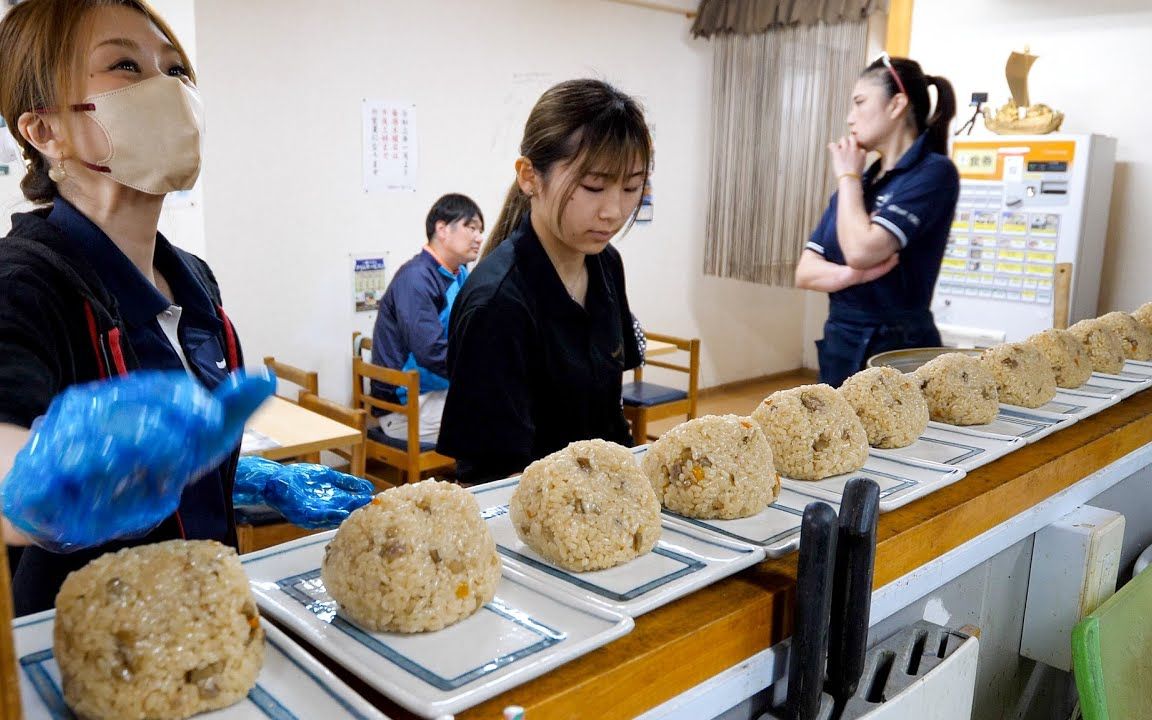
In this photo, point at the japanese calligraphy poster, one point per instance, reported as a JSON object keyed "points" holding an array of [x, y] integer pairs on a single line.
{"points": [[390, 157]]}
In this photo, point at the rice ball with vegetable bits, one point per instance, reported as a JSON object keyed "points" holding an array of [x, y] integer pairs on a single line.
{"points": [[157, 632], [586, 507], [717, 467], [889, 405], [813, 431], [417, 558]]}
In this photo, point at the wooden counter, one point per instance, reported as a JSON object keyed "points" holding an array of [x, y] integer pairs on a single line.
{"points": [[682, 644]]}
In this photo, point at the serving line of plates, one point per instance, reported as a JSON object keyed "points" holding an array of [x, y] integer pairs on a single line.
{"points": [[543, 616]]}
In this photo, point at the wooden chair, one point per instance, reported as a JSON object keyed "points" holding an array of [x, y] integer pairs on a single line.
{"points": [[9, 682], [410, 457], [353, 417], [645, 402], [306, 380]]}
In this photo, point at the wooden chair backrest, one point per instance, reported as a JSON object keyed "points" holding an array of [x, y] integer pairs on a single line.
{"points": [[306, 380], [353, 417], [688, 345]]}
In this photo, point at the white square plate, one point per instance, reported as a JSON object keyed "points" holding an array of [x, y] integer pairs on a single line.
{"points": [[956, 446], [901, 480], [684, 560], [1129, 381], [292, 684], [776, 528], [1025, 423], [521, 634], [1078, 404]]}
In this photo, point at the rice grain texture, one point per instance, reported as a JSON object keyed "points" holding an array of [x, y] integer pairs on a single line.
{"points": [[586, 507], [716, 466], [889, 405], [1023, 375], [813, 431], [1066, 355], [417, 558], [959, 390], [1105, 349], [157, 632], [1135, 339]]}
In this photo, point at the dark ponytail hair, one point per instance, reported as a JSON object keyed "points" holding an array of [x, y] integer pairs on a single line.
{"points": [[916, 85], [587, 121]]}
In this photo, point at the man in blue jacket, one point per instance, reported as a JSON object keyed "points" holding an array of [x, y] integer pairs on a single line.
{"points": [[411, 330]]}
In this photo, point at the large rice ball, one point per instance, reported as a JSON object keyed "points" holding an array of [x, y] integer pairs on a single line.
{"points": [[1135, 339], [713, 467], [586, 507], [417, 558], [1143, 315], [959, 390], [1066, 355], [1105, 349], [1023, 375], [813, 431], [889, 405], [161, 631]]}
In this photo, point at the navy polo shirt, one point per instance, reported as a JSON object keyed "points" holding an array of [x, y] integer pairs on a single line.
{"points": [[411, 330], [914, 201], [203, 505]]}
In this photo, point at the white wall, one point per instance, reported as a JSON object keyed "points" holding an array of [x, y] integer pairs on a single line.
{"points": [[283, 81], [1092, 56]]}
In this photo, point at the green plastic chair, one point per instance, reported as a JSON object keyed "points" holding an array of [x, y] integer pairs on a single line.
{"points": [[1112, 655]]}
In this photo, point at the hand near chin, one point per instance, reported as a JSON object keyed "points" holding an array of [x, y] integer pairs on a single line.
{"points": [[847, 156]]}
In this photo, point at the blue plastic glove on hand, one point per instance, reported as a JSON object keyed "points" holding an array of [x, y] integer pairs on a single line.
{"points": [[110, 459], [310, 496]]}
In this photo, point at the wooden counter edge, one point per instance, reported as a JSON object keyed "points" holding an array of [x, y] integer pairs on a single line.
{"points": [[692, 639]]}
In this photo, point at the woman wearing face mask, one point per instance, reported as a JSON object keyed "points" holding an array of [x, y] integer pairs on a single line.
{"points": [[108, 118], [541, 333], [878, 248]]}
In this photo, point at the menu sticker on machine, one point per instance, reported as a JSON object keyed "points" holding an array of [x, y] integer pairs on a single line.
{"points": [[1014, 223], [1044, 225], [984, 221]]}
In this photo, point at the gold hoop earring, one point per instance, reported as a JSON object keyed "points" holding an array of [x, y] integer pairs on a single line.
{"points": [[57, 173]]}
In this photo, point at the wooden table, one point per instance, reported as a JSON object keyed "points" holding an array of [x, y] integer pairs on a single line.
{"points": [[298, 431]]}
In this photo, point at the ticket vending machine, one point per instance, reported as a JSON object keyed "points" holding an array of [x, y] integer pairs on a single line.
{"points": [[1028, 203]]}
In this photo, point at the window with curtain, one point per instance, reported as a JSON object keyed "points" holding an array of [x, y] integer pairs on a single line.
{"points": [[782, 78]]}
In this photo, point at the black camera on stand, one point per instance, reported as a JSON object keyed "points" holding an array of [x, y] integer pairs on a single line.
{"points": [[978, 100]]}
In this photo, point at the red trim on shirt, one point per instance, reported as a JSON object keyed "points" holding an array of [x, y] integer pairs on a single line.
{"points": [[94, 335], [233, 353], [117, 351]]}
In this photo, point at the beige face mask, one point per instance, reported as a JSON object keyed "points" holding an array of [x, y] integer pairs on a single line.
{"points": [[154, 129]]}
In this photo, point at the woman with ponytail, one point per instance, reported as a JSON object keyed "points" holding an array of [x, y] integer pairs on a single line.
{"points": [[541, 334], [878, 248]]}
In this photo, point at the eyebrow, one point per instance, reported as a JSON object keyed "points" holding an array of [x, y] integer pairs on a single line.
{"points": [[131, 44], [612, 176]]}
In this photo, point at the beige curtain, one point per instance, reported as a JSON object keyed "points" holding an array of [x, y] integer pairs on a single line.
{"points": [[778, 99], [748, 17]]}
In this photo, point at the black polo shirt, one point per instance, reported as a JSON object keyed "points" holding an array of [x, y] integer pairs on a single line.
{"points": [[530, 370], [140, 303], [914, 201]]}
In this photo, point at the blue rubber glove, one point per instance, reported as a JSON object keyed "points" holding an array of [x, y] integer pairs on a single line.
{"points": [[110, 459], [310, 496]]}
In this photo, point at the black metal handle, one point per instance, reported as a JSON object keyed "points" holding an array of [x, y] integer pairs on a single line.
{"points": [[852, 591], [818, 531]]}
